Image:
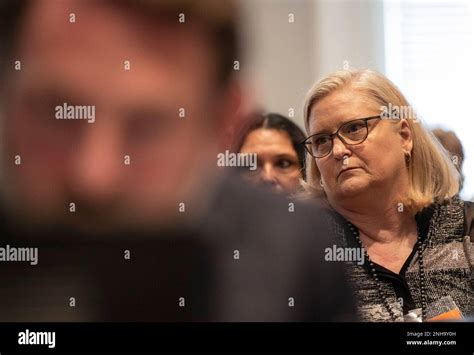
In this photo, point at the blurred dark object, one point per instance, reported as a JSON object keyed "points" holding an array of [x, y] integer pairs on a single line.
{"points": [[280, 261]]}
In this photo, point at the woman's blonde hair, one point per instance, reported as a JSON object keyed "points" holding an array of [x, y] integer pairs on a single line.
{"points": [[432, 175]]}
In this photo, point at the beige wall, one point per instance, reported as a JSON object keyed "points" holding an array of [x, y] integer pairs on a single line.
{"points": [[284, 59]]}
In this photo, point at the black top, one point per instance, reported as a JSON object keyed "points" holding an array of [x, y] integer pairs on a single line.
{"points": [[399, 281]]}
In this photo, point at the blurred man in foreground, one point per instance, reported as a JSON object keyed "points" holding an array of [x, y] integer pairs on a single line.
{"points": [[112, 113]]}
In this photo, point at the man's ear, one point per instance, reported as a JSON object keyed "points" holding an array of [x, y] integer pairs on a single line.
{"points": [[406, 135], [230, 114]]}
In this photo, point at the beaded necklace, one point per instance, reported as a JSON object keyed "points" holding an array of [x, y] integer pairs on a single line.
{"points": [[383, 295]]}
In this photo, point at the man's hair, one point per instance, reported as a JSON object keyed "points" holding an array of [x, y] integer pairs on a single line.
{"points": [[10, 14], [217, 18], [432, 175]]}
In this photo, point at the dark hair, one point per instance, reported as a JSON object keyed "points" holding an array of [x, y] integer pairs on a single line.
{"points": [[10, 14], [278, 122], [217, 18]]}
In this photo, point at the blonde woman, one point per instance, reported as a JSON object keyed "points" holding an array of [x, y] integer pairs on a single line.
{"points": [[395, 188]]}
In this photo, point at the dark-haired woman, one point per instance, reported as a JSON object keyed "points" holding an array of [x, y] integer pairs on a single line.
{"points": [[276, 140]]}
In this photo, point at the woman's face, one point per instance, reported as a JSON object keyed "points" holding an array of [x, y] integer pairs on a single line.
{"points": [[371, 167], [277, 160]]}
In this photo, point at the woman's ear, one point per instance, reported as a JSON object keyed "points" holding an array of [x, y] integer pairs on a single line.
{"points": [[406, 135]]}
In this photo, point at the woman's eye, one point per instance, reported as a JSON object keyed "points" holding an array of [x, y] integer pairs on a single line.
{"points": [[354, 127], [321, 140], [283, 163]]}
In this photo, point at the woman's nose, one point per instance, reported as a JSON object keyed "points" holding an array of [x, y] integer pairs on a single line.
{"points": [[268, 175], [339, 148]]}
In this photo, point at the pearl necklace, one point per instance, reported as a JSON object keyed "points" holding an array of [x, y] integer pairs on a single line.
{"points": [[380, 290]]}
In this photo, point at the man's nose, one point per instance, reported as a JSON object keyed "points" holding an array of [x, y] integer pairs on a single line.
{"points": [[97, 163]]}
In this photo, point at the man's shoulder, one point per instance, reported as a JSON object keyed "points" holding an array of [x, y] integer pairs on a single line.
{"points": [[238, 206], [271, 254]]}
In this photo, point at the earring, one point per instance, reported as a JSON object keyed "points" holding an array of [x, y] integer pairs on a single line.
{"points": [[407, 158]]}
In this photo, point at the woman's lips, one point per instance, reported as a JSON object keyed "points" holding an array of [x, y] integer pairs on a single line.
{"points": [[343, 170]]}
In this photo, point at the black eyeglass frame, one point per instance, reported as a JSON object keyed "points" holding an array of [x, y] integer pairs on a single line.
{"points": [[306, 142]]}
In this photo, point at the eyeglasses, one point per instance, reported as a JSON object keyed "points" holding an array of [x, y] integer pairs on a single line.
{"points": [[350, 133]]}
